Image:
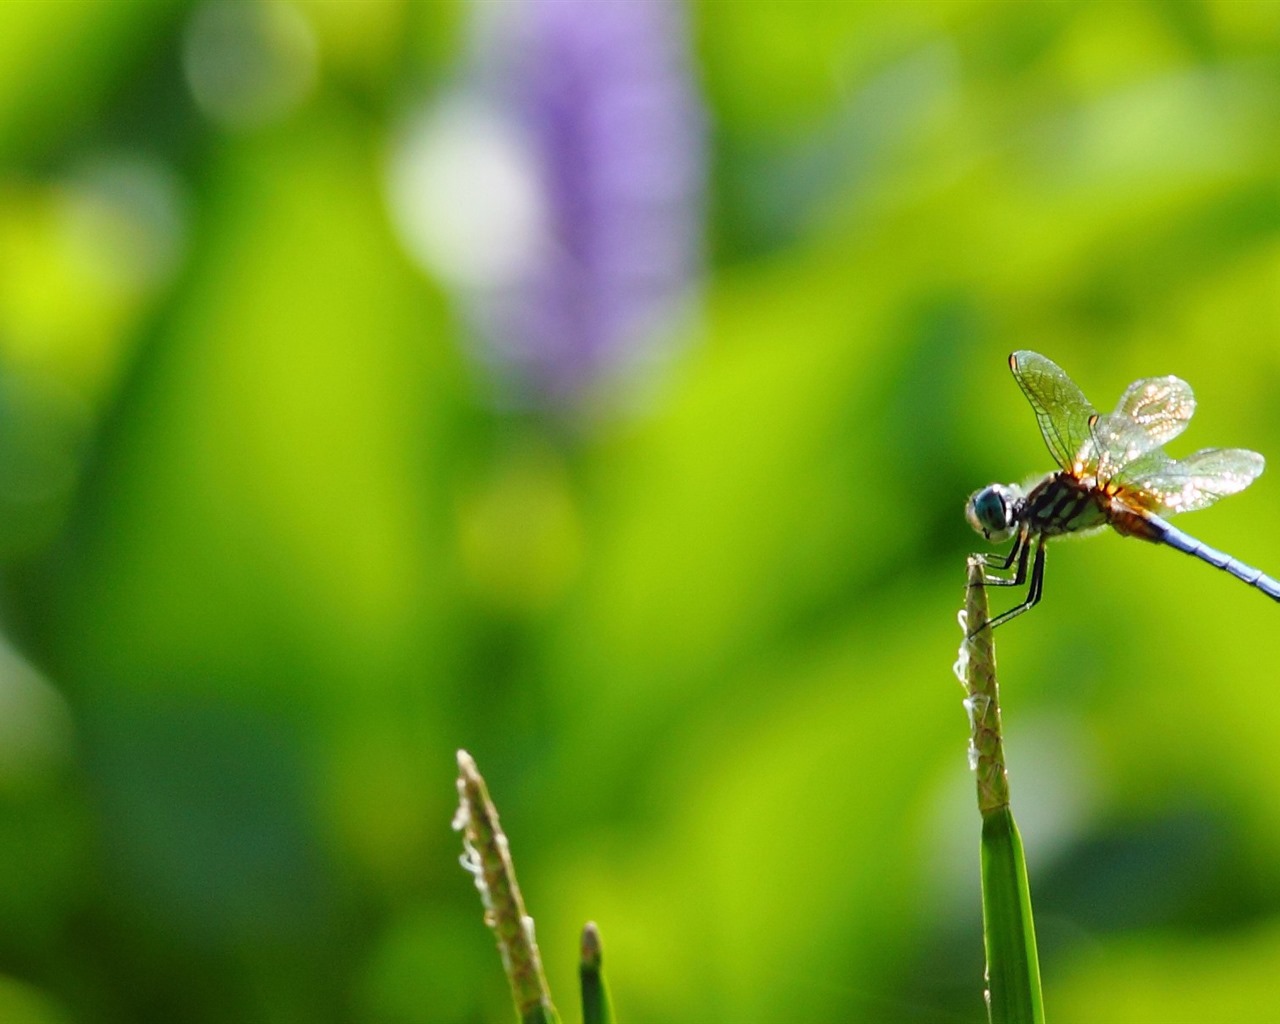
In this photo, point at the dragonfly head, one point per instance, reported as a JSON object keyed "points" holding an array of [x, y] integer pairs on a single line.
{"points": [[992, 511]]}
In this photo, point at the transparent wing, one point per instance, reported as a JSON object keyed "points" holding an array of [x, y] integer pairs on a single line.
{"points": [[1150, 412], [1160, 406], [1117, 441], [1061, 409], [1167, 486]]}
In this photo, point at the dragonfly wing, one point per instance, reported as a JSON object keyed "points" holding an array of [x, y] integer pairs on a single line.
{"points": [[1061, 409], [1160, 406], [1167, 486], [1118, 441], [1151, 412]]}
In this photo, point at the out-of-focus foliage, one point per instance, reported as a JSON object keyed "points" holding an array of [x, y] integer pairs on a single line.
{"points": [[286, 519]]}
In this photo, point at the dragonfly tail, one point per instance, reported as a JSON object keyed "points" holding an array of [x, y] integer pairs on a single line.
{"points": [[1176, 538]]}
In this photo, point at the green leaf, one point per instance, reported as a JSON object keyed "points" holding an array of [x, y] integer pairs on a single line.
{"points": [[595, 997], [1013, 970]]}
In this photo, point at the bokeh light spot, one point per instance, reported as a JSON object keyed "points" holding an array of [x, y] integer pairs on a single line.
{"points": [[465, 197], [248, 64]]}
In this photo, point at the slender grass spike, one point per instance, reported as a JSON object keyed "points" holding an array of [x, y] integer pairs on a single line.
{"points": [[1113, 471]]}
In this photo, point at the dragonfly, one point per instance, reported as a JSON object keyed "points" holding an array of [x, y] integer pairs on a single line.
{"points": [[1112, 471]]}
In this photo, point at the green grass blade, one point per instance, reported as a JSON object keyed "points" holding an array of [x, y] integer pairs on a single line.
{"points": [[1013, 969], [595, 996]]}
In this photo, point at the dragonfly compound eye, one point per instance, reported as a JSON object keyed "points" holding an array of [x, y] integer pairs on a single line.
{"points": [[990, 512]]}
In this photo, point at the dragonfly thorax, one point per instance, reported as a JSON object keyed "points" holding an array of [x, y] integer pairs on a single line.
{"points": [[994, 511]]}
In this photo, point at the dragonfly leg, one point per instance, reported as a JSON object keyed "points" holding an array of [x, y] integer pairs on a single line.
{"points": [[1033, 591], [1020, 551]]}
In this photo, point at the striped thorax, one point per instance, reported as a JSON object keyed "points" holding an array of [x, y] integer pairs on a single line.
{"points": [[1061, 504]]}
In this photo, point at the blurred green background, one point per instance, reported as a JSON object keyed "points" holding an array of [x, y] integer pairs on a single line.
{"points": [[294, 502]]}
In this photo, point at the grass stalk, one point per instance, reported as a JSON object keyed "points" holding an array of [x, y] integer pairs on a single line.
{"points": [[1013, 969], [595, 996], [487, 856]]}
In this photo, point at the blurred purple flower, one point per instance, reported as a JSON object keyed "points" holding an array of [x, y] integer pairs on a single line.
{"points": [[604, 93], [560, 188]]}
